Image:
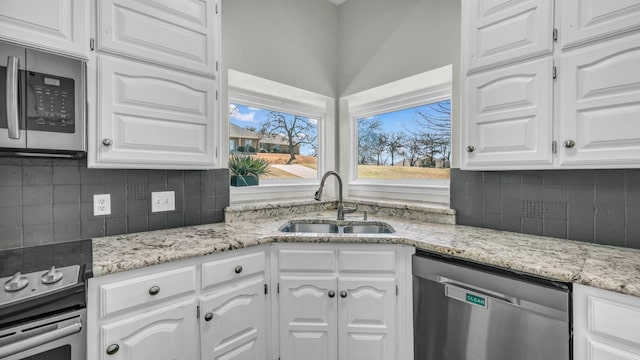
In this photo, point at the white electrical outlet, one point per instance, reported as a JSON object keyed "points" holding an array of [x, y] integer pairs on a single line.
{"points": [[102, 204], [163, 201]]}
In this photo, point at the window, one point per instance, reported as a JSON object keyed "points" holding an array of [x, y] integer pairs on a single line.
{"points": [[396, 142], [288, 142]]}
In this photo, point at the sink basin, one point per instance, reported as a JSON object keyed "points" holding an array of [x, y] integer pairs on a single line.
{"points": [[378, 228], [308, 227], [332, 227]]}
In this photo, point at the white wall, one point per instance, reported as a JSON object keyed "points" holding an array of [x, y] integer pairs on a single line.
{"points": [[292, 42], [382, 41]]}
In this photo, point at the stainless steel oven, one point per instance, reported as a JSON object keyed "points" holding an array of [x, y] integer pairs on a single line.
{"points": [[43, 313]]}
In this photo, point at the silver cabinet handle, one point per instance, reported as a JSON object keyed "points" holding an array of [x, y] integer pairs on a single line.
{"points": [[343, 294], [154, 290], [332, 294], [471, 149], [13, 124], [569, 144], [208, 316], [32, 342], [112, 349], [238, 269], [107, 142]]}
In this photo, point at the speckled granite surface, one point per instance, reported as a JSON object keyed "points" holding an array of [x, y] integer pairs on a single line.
{"points": [[609, 268]]}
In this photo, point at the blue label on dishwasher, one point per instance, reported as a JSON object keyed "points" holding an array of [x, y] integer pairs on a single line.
{"points": [[476, 300]]}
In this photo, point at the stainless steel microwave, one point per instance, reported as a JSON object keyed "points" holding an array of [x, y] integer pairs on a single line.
{"points": [[42, 103]]}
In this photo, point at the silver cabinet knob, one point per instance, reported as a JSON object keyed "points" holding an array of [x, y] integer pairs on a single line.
{"points": [[154, 290], [112, 349], [569, 144], [343, 294], [107, 142], [208, 316], [471, 149], [332, 294], [238, 269]]}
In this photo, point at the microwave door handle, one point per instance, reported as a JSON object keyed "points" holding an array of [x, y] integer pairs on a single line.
{"points": [[13, 124]]}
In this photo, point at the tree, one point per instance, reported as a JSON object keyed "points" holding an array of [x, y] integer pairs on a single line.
{"points": [[297, 130], [414, 149], [435, 128], [395, 141], [368, 133]]}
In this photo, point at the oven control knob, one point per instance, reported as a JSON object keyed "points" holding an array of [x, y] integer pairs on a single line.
{"points": [[17, 282], [52, 276]]}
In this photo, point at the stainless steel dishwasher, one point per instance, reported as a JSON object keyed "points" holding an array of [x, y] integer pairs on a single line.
{"points": [[465, 311]]}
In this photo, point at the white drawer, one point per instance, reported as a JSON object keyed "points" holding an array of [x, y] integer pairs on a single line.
{"points": [[148, 289], [616, 318], [306, 260], [379, 261], [219, 271]]}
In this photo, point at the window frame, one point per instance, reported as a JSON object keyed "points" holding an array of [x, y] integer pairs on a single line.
{"points": [[426, 88], [257, 92]]}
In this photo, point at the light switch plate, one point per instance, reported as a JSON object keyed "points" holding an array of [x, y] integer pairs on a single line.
{"points": [[163, 201], [101, 204]]}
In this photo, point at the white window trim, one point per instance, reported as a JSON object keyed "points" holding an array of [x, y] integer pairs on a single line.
{"points": [[426, 88], [258, 92]]}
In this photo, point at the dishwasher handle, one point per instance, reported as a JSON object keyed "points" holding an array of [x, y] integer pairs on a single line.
{"points": [[473, 295]]}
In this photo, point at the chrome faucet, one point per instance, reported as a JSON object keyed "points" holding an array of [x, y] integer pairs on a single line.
{"points": [[341, 209]]}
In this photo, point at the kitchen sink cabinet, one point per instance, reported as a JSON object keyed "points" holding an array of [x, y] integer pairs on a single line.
{"points": [[343, 302], [605, 325], [60, 26], [550, 84], [153, 85]]}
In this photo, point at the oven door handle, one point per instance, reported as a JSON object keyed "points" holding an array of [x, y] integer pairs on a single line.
{"points": [[38, 340]]}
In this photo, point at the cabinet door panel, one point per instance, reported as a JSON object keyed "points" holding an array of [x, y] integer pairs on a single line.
{"points": [[176, 34], [308, 319], [52, 25], [599, 92], [153, 116], [238, 328], [366, 318], [157, 335], [585, 20], [508, 117], [498, 31]]}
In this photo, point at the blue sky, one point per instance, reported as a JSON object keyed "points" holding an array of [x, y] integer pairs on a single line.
{"points": [[402, 120]]}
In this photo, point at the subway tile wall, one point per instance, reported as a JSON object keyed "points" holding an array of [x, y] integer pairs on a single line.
{"points": [[597, 206], [44, 201]]}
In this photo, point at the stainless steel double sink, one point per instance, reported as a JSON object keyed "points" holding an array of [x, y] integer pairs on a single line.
{"points": [[335, 227]]}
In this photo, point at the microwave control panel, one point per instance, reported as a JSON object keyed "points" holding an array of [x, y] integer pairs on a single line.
{"points": [[50, 103]]}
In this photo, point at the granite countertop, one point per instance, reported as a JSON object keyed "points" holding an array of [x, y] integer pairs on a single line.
{"points": [[609, 268]]}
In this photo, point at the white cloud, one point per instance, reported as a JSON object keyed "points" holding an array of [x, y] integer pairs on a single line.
{"points": [[313, 121], [246, 117]]}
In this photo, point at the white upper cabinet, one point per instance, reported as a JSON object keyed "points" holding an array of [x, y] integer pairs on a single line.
{"points": [[599, 108], [180, 34], [508, 116], [497, 32], [60, 26], [151, 117], [585, 20]]}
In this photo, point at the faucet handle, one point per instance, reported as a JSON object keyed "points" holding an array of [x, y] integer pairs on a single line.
{"points": [[364, 217]]}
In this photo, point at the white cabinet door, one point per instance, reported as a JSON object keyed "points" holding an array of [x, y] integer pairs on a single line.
{"points": [[508, 117], [367, 319], [152, 117], [599, 89], [605, 325], [182, 34], [168, 333], [60, 26], [585, 20], [233, 321], [496, 32], [308, 319]]}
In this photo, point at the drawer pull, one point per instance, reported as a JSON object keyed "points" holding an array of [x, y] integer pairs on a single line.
{"points": [[569, 144], [112, 349], [471, 149], [107, 142], [343, 294], [154, 290], [332, 293], [238, 269], [208, 316]]}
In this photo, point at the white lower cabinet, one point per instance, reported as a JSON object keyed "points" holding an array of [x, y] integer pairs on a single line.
{"points": [[605, 325], [343, 302]]}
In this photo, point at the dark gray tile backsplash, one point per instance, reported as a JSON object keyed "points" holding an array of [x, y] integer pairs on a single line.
{"points": [[597, 206], [47, 201]]}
